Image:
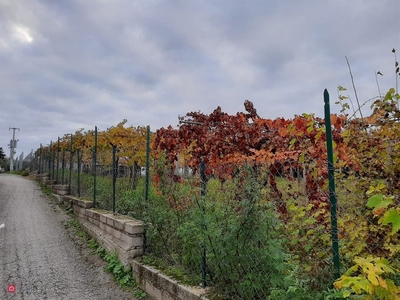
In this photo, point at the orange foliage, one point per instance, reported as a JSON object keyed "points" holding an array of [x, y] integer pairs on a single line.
{"points": [[230, 140]]}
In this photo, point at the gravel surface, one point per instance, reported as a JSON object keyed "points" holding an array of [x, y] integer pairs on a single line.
{"points": [[38, 256]]}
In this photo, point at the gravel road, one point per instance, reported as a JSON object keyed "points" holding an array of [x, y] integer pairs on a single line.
{"points": [[38, 257]]}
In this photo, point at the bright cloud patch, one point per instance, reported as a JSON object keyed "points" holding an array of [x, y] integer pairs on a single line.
{"points": [[22, 35]]}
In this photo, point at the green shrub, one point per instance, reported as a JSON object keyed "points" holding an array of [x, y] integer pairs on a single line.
{"points": [[238, 231], [22, 172]]}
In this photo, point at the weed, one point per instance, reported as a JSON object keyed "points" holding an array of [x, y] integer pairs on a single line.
{"points": [[122, 274], [23, 173], [139, 294], [47, 191], [74, 223], [79, 231], [93, 244], [102, 252]]}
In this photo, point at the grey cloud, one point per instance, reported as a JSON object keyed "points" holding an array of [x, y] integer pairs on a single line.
{"points": [[98, 62]]}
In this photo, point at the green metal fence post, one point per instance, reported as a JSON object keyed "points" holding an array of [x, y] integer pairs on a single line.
{"points": [[49, 162], [332, 194], [70, 166], [46, 161], [63, 167], [114, 152], [58, 158], [94, 166], [147, 163], [146, 195], [40, 159], [53, 166], [203, 208], [79, 173]]}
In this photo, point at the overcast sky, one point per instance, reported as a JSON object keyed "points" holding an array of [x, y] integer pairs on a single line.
{"points": [[70, 64]]}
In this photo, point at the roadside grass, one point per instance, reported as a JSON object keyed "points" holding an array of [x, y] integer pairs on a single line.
{"points": [[122, 275], [47, 191], [23, 173]]}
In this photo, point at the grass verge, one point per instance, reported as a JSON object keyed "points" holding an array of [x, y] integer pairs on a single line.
{"points": [[122, 275]]}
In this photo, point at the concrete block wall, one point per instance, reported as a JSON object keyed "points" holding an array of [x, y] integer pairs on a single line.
{"points": [[115, 233], [60, 189], [43, 177], [162, 287]]}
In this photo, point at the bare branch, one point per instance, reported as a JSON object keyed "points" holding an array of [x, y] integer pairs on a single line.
{"points": [[355, 91]]}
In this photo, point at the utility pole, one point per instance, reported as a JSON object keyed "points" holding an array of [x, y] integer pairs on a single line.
{"points": [[12, 145]]}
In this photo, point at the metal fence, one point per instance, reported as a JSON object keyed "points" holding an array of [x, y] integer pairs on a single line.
{"points": [[247, 231]]}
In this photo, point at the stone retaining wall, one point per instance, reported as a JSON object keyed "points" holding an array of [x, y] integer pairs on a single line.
{"points": [[43, 178], [60, 189], [162, 287], [115, 233]]}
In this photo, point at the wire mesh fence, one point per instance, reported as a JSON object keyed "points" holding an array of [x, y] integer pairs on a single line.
{"points": [[247, 231], [250, 234], [253, 228]]}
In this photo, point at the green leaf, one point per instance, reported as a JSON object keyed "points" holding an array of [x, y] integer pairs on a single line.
{"points": [[301, 158], [292, 143], [318, 136], [383, 293], [363, 285], [383, 264], [350, 271], [346, 294], [378, 201], [392, 216], [389, 94]]}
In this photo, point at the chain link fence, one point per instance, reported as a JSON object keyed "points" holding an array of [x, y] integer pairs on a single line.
{"points": [[249, 230]]}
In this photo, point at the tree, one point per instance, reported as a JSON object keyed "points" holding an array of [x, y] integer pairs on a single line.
{"points": [[4, 162], [2, 154]]}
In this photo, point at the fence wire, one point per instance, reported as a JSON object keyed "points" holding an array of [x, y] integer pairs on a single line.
{"points": [[246, 230]]}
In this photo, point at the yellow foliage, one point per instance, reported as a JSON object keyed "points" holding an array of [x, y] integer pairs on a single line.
{"points": [[366, 277], [130, 142]]}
